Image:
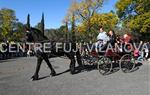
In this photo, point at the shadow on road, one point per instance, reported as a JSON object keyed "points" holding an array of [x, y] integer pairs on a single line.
{"points": [[7, 60], [63, 72], [43, 77], [93, 67]]}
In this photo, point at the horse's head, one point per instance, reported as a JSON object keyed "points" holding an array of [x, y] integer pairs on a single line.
{"points": [[29, 36], [34, 35]]}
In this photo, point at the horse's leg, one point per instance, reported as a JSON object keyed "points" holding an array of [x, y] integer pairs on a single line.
{"points": [[72, 65], [53, 73], [78, 55], [39, 61], [72, 62]]}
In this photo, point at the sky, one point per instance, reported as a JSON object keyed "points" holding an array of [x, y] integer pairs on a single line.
{"points": [[54, 10]]}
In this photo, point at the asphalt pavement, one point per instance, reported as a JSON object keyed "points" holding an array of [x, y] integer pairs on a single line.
{"points": [[15, 79]]}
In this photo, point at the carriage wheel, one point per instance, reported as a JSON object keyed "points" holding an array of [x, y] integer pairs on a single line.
{"points": [[85, 60], [89, 60], [127, 63], [104, 65]]}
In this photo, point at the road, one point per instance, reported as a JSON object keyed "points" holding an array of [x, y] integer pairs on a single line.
{"points": [[15, 80]]}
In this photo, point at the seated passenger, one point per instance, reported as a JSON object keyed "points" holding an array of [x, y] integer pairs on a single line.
{"points": [[127, 43], [112, 38]]}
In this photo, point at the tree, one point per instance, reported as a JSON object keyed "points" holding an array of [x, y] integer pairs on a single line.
{"points": [[85, 10], [7, 22], [66, 24], [134, 14], [18, 33], [28, 21], [81, 13], [42, 24], [38, 26], [107, 20], [1, 37], [58, 35]]}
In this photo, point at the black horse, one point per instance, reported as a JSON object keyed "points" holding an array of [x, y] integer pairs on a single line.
{"points": [[35, 36]]}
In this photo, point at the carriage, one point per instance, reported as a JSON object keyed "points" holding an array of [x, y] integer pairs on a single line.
{"points": [[107, 62]]}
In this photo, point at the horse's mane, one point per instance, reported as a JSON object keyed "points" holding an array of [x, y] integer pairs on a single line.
{"points": [[38, 35]]}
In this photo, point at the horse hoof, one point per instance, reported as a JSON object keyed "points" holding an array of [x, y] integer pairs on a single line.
{"points": [[72, 72], [53, 73], [34, 78]]}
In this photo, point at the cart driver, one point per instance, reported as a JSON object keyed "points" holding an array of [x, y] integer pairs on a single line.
{"points": [[102, 39]]}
